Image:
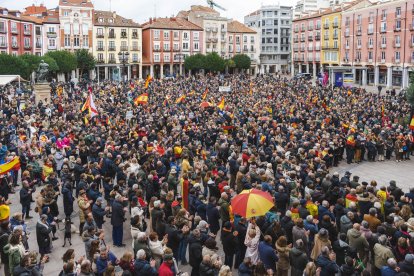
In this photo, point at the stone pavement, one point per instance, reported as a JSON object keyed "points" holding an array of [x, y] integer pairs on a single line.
{"points": [[382, 172]]}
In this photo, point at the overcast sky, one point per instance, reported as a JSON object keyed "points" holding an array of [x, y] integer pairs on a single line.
{"points": [[141, 10]]}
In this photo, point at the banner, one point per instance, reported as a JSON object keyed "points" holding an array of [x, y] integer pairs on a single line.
{"points": [[225, 89], [338, 79], [348, 79]]}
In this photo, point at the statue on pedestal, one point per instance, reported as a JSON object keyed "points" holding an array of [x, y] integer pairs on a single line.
{"points": [[42, 72]]}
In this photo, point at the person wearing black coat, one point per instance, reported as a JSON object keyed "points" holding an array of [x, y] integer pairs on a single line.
{"points": [[98, 212], [4, 239], [117, 221], [230, 242], [67, 199], [175, 236], [298, 258], [206, 267], [407, 265], [282, 200], [194, 250], [25, 199], [241, 229], [287, 225], [213, 216], [340, 247], [43, 231]]}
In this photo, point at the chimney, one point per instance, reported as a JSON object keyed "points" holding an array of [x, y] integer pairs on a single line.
{"points": [[114, 14], [150, 20]]}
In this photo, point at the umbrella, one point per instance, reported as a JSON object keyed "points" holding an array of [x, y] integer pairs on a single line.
{"points": [[264, 118], [252, 203], [205, 104]]}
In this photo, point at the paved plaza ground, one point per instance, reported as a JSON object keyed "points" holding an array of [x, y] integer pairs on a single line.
{"points": [[382, 172]]}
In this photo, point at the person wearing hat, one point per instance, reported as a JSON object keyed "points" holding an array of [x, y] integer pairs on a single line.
{"points": [[43, 231], [166, 268]]}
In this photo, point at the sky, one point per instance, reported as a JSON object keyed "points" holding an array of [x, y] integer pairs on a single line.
{"points": [[141, 10]]}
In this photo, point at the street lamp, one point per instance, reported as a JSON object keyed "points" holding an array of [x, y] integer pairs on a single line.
{"points": [[123, 57]]}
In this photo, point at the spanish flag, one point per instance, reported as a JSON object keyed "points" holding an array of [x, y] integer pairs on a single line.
{"points": [[147, 81], [350, 198], [205, 94], [251, 88], [262, 139], [382, 110], [412, 123], [85, 120], [11, 165], [350, 140], [192, 93], [221, 104], [86, 104], [141, 99], [180, 99]]}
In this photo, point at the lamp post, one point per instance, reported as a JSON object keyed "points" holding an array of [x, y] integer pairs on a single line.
{"points": [[123, 57]]}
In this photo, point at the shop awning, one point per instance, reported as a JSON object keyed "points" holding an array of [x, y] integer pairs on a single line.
{"points": [[6, 79]]}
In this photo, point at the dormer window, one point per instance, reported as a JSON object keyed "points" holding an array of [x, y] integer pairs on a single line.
{"points": [[100, 19], [17, 14], [110, 20], [5, 12], [75, 14]]}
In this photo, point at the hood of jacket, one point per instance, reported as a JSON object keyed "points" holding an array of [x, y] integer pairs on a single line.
{"points": [[322, 261], [347, 270], [354, 233], [282, 249], [345, 220], [296, 252]]}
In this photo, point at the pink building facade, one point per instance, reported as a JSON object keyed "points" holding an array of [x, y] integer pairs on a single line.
{"points": [[166, 44], [306, 57], [378, 43]]}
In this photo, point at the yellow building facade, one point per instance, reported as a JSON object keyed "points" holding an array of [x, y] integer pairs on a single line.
{"points": [[331, 39], [113, 34]]}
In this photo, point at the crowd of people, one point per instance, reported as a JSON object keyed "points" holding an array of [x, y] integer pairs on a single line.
{"points": [[167, 169]]}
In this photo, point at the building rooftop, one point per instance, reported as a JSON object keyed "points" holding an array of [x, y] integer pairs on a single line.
{"points": [[175, 23], [34, 10], [83, 3], [237, 27], [102, 18], [322, 12]]}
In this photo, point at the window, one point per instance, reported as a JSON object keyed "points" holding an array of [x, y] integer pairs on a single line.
{"points": [[359, 42], [100, 57], [156, 57], [397, 56], [85, 29], [2, 40], [166, 34], [397, 40], [176, 47], [134, 57], [134, 33], [185, 35], [384, 40], [67, 28], [383, 55], [370, 42], [85, 14], [384, 15], [167, 58], [14, 27], [196, 46], [196, 36], [2, 26], [251, 39], [51, 30], [75, 14], [383, 26], [100, 32], [359, 19], [156, 34], [75, 28], [100, 44], [67, 40], [176, 35], [185, 45], [245, 39], [398, 25], [76, 42], [398, 11], [65, 13], [26, 28], [100, 19], [166, 46], [112, 58], [14, 41], [370, 55], [27, 42], [237, 39], [371, 17], [85, 41]]}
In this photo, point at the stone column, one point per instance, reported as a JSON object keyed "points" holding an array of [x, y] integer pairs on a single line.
{"points": [[376, 76], [129, 72], [151, 71], [404, 78], [389, 77], [106, 72], [97, 73], [364, 77], [161, 71], [140, 71], [300, 67], [314, 70], [307, 67], [171, 68]]}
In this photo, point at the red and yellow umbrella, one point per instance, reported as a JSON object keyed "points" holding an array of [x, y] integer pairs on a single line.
{"points": [[205, 105], [252, 203]]}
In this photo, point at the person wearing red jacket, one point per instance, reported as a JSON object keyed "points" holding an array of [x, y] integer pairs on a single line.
{"points": [[166, 266]]}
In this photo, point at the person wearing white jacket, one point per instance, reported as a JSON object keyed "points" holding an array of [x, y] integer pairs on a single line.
{"points": [[157, 247], [252, 241]]}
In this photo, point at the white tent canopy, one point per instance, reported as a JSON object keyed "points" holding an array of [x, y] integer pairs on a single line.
{"points": [[6, 79]]}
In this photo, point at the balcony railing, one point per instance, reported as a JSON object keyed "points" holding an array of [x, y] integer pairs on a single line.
{"points": [[370, 46], [310, 38], [381, 60], [135, 48], [38, 45], [396, 60], [51, 34], [335, 36], [302, 49], [317, 59], [15, 46], [357, 60], [223, 30], [135, 60], [3, 45], [28, 47], [295, 49], [317, 27], [124, 48], [296, 40], [99, 35], [310, 49], [296, 30], [358, 32], [317, 48], [302, 29], [111, 48], [382, 45], [326, 37], [346, 60], [383, 30], [100, 61], [112, 60], [369, 60], [370, 31], [14, 31], [326, 26], [317, 37], [124, 35], [310, 28], [112, 35], [335, 24], [2, 31], [346, 34], [214, 30], [397, 44], [27, 32], [51, 47], [302, 39], [100, 48], [134, 36]]}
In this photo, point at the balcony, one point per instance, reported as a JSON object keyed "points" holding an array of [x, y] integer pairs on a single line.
{"points": [[223, 30], [223, 40], [296, 40], [397, 44], [310, 49], [317, 27], [302, 39], [100, 48], [326, 26], [302, 49], [100, 61], [382, 45], [99, 35], [310, 59], [134, 36], [156, 50], [359, 32], [317, 48], [359, 46], [335, 24], [381, 60], [317, 59], [51, 47], [51, 34], [167, 49], [38, 45], [295, 49], [27, 47], [135, 48], [369, 60], [357, 60], [302, 29], [317, 37], [370, 31], [27, 32], [310, 28], [214, 30], [396, 60], [383, 30], [346, 34], [370, 46], [296, 30], [176, 49], [135, 60], [124, 48], [397, 28], [208, 29], [346, 60], [15, 46], [124, 35], [310, 38], [335, 36], [111, 60], [111, 48], [14, 31], [326, 37], [111, 35]]}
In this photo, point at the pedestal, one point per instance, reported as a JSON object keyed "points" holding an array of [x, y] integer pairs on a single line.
{"points": [[42, 92]]}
